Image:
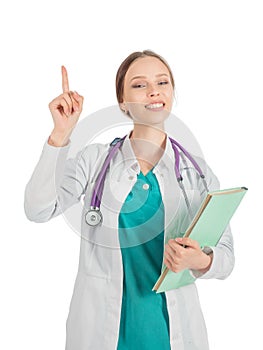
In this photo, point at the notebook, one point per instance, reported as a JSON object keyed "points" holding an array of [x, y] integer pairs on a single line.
{"points": [[207, 228]]}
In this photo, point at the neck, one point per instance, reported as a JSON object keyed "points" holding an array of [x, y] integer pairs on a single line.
{"points": [[148, 143], [154, 135]]}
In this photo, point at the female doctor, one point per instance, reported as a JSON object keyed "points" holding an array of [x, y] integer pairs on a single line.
{"points": [[142, 206]]}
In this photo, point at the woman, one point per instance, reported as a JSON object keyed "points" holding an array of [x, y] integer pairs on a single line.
{"points": [[113, 305]]}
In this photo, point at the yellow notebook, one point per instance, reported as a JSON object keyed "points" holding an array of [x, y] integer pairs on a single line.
{"points": [[207, 228]]}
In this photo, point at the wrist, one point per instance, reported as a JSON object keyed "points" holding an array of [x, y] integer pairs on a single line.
{"points": [[205, 262], [57, 139]]}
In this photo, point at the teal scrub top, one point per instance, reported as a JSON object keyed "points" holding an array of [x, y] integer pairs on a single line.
{"points": [[144, 320]]}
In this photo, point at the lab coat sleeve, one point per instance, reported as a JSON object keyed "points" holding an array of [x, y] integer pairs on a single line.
{"points": [[223, 254], [56, 183]]}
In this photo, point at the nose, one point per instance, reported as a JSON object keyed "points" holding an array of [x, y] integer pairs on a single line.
{"points": [[152, 91]]}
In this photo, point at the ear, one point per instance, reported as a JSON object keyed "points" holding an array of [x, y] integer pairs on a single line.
{"points": [[123, 107]]}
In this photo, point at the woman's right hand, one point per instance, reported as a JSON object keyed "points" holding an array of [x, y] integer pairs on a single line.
{"points": [[65, 110]]}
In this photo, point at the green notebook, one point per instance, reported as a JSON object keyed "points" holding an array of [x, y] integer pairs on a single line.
{"points": [[207, 228]]}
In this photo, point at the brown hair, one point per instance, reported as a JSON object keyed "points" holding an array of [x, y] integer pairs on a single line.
{"points": [[120, 76]]}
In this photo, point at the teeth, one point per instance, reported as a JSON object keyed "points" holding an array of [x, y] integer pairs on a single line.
{"points": [[154, 105]]}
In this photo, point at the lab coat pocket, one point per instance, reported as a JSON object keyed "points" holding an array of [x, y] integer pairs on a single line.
{"points": [[87, 312], [191, 318]]}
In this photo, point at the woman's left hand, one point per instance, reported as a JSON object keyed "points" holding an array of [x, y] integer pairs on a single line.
{"points": [[178, 257]]}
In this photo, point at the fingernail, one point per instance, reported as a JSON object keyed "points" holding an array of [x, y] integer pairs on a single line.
{"points": [[178, 239]]}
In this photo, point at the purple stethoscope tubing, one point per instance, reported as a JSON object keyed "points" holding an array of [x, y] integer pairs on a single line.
{"points": [[97, 193], [94, 216]]}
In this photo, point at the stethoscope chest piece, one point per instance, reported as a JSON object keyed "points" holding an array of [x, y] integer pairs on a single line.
{"points": [[93, 217]]}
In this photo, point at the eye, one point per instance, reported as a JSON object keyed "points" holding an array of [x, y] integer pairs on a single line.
{"points": [[137, 86], [163, 83]]}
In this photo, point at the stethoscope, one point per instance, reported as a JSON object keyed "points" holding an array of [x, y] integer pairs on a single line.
{"points": [[94, 216]]}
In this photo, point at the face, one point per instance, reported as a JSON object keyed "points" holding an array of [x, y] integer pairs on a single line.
{"points": [[148, 91]]}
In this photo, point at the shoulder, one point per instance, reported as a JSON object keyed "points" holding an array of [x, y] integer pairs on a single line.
{"points": [[87, 160], [87, 155], [211, 178], [95, 150], [93, 153]]}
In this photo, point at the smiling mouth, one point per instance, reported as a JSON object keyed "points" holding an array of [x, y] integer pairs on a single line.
{"points": [[155, 106]]}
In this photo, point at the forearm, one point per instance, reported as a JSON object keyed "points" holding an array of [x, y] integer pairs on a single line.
{"points": [[40, 192]]}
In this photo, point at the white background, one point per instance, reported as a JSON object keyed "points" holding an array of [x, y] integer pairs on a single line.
{"points": [[215, 51]]}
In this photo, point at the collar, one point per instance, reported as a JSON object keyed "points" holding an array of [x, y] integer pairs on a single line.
{"points": [[132, 163]]}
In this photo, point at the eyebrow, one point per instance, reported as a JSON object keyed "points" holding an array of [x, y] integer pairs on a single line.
{"points": [[143, 76]]}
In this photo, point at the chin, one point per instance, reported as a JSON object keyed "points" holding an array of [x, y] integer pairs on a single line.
{"points": [[150, 117]]}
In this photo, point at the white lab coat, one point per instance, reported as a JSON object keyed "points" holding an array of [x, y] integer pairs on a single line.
{"points": [[95, 308]]}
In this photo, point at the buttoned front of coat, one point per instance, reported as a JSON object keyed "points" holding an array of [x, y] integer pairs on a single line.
{"points": [[60, 185]]}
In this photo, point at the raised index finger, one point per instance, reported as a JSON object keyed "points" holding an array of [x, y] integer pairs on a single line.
{"points": [[65, 84]]}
